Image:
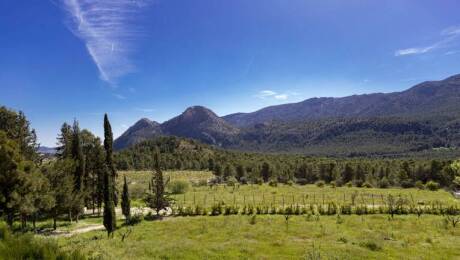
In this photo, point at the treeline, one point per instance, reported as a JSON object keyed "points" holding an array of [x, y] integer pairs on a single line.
{"points": [[33, 188], [180, 154]]}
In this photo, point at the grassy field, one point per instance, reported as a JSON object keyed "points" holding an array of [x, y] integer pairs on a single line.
{"points": [[271, 237], [305, 236], [241, 195]]}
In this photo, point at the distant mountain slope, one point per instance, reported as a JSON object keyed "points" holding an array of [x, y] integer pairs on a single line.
{"points": [[196, 122], [423, 119], [427, 98], [202, 124], [47, 150], [140, 131]]}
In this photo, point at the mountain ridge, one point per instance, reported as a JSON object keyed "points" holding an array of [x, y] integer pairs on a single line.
{"points": [[425, 116]]}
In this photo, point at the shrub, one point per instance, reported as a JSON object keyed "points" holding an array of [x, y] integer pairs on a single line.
{"points": [[200, 183], [29, 247], [333, 184], [232, 181], [135, 219], [367, 185], [407, 184], [349, 184], [371, 245], [253, 220], [358, 183], [419, 185], [384, 183], [178, 186], [290, 182], [273, 183], [432, 185], [320, 184]]}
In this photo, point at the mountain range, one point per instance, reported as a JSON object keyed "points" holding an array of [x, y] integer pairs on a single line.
{"points": [[422, 118]]}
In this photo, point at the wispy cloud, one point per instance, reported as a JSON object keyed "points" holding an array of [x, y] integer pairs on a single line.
{"points": [[448, 35], [145, 110], [108, 29], [119, 96], [264, 94]]}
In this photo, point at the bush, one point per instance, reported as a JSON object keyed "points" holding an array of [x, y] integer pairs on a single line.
{"points": [[135, 219], [320, 184], [178, 186], [273, 183], [367, 185], [371, 245], [232, 181], [29, 247], [200, 183], [384, 183], [407, 184], [253, 220], [432, 185], [333, 184], [419, 185], [349, 184]]}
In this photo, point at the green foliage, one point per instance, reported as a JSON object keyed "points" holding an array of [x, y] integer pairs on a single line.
{"points": [[178, 186], [110, 221], [432, 185], [157, 198], [258, 168], [126, 202], [371, 245], [19, 246], [17, 128], [320, 183]]}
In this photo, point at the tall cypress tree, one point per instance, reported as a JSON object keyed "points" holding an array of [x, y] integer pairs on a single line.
{"points": [[108, 145], [126, 202], [109, 206]]}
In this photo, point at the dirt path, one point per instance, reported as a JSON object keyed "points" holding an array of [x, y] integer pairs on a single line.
{"points": [[79, 230]]}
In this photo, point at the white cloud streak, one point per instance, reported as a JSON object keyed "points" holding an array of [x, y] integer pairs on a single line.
{"points": [[145, 110], [272, 94], [108, 29], [449, 34]]}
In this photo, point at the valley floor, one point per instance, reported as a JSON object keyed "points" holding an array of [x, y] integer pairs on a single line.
{"points": [[272, 237]]}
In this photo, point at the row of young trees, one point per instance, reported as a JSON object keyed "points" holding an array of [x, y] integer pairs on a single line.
{"points": [[82, 176]]}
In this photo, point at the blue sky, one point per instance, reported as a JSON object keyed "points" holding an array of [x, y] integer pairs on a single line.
{"points": [[66, 59]]}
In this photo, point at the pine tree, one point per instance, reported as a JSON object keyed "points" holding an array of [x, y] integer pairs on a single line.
{"points": [[109, 183], [126, 202], [63, 149], [77, 155]]}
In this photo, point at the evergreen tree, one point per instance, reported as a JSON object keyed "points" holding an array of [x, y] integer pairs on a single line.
{"points": [[64, 145], [229, 171], [109, 206], [62, 184], [157, 199], [126, 202], [240, 172], [77, 155], [109, 182], [265, 172], [11, 178], [108, 145]]}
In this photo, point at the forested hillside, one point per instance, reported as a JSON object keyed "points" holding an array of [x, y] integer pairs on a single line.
{"points": [[423, 120], [179, 154]]}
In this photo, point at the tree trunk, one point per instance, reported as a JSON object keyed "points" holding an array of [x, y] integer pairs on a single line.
{"points": [[10, 218], [54, 223], [34, 220]]}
